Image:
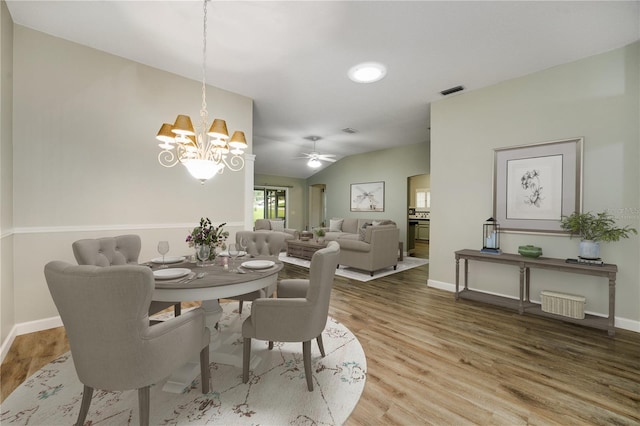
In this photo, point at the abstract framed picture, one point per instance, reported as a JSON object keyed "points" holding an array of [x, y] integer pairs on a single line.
{"points": [[367, 197], [535, 185]]}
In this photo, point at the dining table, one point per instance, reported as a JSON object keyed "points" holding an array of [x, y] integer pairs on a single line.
{"points": [[182, 279]]}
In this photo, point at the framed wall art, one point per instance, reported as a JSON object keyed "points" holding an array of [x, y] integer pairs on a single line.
{"points": [[534, 185], [367, 197]]}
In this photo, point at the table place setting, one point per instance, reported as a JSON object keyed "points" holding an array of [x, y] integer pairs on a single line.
{"points": [[170, 273], [168, 260]]}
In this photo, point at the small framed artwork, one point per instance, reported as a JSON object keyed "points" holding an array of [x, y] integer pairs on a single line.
{"points": [[367, 197], [535, 185]]}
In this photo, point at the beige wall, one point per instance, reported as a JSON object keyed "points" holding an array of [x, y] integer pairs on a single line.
{"points": [[85, 158], [7, 313], [596, 98]]}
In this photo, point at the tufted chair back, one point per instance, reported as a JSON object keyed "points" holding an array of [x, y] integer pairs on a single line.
{"points": [[114, 251], [108, 251], [262, 243]]}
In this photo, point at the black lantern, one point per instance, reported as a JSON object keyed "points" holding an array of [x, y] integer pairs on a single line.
{"points": [[491, 237]]}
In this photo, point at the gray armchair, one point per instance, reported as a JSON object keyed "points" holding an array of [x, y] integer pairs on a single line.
{"points": [[120, 250], [260, 244], [299, 314], [119, 350]]}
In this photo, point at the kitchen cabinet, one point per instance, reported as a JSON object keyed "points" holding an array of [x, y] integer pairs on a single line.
{"points": [[422, 230]]}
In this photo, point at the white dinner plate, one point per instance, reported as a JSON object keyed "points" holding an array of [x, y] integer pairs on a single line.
{"points": [[258, 264], [226, 254], [170, 273], [168, 259]]}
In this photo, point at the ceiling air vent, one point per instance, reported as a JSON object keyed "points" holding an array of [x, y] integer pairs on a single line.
{"points": [[451, 90]]}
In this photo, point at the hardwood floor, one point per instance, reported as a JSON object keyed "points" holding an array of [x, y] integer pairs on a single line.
{"points": [[432, 360]]}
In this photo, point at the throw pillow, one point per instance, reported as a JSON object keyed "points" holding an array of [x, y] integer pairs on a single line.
{"points": [[335, 225], [362, 232], [277, 225]]}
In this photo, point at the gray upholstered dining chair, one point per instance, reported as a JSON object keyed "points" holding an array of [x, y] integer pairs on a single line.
{"points": [[120, 250], [298, 314], [260, 244], [122, 351]]}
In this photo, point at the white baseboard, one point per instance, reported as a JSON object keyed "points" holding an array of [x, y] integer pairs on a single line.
{"points": [[6, 344], [25, 328], [623, 323], [441, 285]]}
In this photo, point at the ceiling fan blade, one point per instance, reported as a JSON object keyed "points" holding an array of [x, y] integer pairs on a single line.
{"points": [[331, 160]]}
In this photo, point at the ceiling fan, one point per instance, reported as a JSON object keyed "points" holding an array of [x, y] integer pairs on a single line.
{"points": [[315, 158]]}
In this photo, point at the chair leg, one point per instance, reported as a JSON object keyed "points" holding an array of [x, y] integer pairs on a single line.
{"points": [[320, 345], [177, 309], [306, 357], [246, 357], [204, 369], [240, 308], [87, 393], [143, 401]]}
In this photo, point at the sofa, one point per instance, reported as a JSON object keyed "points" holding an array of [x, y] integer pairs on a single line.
{"points": [[365, 244], [275, 225]]}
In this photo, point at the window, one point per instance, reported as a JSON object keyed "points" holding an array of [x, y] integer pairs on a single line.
{"points": [[270, 203], [423, 198]]}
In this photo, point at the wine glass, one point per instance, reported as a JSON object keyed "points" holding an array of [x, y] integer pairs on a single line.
{"points": [[203, 251], [233, 254], [163, 248], [244, 242]]}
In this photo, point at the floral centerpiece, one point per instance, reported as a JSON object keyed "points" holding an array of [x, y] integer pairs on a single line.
{"points": [[207, 234]]}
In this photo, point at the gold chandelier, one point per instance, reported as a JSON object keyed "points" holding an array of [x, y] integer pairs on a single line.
{"points": [[204, 153]]}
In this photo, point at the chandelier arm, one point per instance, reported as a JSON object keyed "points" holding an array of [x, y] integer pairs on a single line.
{"points": [[235, 163], [167, 158]]}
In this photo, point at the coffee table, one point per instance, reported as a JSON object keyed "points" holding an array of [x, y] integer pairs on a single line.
{"points": [[303, 249]]}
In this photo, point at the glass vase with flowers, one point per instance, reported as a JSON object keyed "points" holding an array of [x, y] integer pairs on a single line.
{"points": [[208, 235]]}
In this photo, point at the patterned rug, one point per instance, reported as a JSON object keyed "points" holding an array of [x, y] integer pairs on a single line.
{"points": [[275, 395], [355, 274]]}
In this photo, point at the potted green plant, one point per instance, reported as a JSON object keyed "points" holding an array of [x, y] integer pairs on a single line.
{"points": [[593, 228], [319, 234]]}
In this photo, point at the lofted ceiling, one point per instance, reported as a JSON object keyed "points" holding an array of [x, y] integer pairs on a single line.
{"points": [[292, 57]]}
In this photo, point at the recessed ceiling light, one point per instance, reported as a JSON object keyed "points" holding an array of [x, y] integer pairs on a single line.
{"points": [[367, 72]]}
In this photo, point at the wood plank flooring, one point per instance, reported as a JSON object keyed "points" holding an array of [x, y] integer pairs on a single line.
{"points": [[432, 360]]}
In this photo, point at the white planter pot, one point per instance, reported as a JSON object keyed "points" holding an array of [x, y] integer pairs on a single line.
{"points": [[589, 249]]}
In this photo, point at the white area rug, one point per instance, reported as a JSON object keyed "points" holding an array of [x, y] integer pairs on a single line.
{"points": [[355, 274], [275, 395]]}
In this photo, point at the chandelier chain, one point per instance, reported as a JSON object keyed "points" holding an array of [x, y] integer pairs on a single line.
{"points": [[203, 111]]}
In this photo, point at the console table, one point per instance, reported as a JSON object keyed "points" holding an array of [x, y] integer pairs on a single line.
{"points": [[526, 264]]}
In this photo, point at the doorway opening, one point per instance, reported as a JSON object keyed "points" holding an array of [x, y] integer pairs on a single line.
{"points": [[317, 206]]}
